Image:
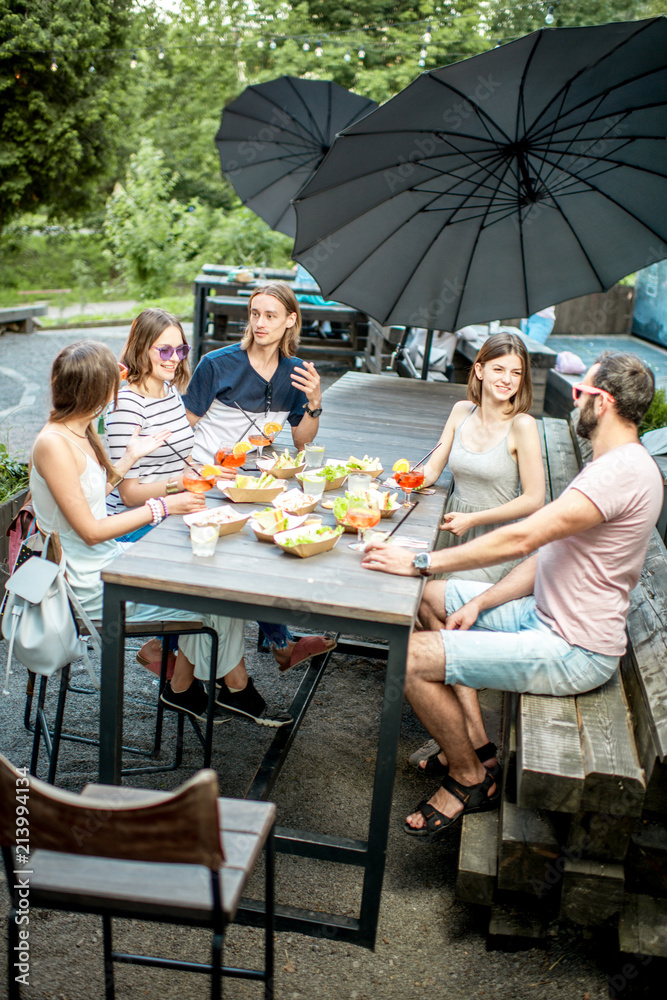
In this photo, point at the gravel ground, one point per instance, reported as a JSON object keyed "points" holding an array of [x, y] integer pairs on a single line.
{"points": [[428, 943]]}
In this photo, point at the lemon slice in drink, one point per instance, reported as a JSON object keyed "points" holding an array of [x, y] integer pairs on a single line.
{"points": [[207, 532], [401, 465]]}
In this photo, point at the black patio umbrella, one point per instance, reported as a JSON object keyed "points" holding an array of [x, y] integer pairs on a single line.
{"points": [[275, 135], [499, 185]]}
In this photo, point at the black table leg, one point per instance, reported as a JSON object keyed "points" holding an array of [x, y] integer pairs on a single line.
{"points": [[113, 682]]}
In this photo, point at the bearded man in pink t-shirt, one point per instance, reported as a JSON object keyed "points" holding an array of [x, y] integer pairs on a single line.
{"points": [[556, 623]]}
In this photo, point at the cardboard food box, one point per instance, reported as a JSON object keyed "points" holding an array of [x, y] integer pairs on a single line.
{"points": [[295, 502], [306, 549], [288, 472], [265, 524], [228, 520], [239, 494]]}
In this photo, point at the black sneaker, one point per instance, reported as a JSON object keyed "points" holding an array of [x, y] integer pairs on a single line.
{"points": [[250, 703], [193, 702]]}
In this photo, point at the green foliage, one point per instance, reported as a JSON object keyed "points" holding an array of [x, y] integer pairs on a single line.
{"points": [[59, 130], [13, 474], [35, 255], [656, 415]]}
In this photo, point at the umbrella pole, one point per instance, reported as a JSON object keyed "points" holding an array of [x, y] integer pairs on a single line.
{"points": [[427, 353]]}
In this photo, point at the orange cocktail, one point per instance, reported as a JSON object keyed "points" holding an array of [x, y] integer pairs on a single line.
{"points": [[196, 483], [225, 457], [409, 481], [362, 512]]}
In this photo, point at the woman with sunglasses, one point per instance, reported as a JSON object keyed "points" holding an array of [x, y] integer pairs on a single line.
{"points": [[155, 356]]}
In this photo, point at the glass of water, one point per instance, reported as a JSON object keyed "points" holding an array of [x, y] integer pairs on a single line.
{"points": [[204, 538], [314, 455], [312, 484]]}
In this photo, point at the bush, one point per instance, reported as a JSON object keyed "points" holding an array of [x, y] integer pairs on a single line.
{"points": [[38, 256], [656, 415], [13, 474]]}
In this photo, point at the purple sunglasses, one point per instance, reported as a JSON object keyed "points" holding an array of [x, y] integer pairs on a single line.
{"points": [[167, 352]]}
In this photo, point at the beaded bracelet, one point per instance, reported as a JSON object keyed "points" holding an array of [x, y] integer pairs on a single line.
{"points": [[164, 506], [157, 514]]}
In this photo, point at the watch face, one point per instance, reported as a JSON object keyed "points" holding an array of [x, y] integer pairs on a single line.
{"points": [[421, 561]]}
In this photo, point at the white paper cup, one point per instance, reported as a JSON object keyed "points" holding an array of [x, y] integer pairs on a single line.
{"points": [[203, 538]]}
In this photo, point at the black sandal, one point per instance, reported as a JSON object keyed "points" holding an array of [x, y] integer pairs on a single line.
{"points": [[435, 769], [475, 798]]}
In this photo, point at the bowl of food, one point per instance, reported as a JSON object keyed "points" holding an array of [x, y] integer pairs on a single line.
{"points": [[366, 466], [251, 489], [227, 519], [305, 542], [334, 474], [295, 502], [283, 466], [268, 522]]}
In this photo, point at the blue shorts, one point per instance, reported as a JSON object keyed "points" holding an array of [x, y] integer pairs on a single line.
{"points": [[510, 648]]}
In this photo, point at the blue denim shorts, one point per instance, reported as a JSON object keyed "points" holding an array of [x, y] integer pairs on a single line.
{"points": [[510, 648]]}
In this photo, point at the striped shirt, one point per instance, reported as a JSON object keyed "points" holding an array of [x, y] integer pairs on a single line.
{"points": [[150, 415]]}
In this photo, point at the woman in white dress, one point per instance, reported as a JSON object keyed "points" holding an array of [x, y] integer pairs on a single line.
{"points": [[70, 478]]}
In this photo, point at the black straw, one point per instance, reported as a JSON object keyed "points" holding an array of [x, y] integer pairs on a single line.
{"points": [[427, 455], [404, 518]]}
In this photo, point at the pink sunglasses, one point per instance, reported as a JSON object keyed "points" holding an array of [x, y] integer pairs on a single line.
{"points": [[593, 390]]}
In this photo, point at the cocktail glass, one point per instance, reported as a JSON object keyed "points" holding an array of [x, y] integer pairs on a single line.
{"points": [[362, 512], [260, 441], [409, 481], [195, 482], [225, 457]]}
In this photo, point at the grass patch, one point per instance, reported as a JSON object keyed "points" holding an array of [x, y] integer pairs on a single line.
{"points": [[13, 474], [178, 304]]}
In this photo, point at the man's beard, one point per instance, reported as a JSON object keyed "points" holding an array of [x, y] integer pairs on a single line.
{"points": [[587, 420]]}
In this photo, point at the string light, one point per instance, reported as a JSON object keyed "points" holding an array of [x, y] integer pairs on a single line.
{"points": [[160, 54], [347, 57], [427, 35], [422, 62], [549, 19], [362, 53], [306, 47], [319, 50], [91, 68], [133, 61], [422, 54], [54, 64], [260, 43], [17, 74], [273, 44]]}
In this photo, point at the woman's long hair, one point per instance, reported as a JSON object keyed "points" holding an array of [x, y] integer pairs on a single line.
{"points": [[84, 377], [145, 330], [281, 291], [499, 345]]}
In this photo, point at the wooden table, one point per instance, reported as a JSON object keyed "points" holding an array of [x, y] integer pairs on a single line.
{"points": [[378, 414]]}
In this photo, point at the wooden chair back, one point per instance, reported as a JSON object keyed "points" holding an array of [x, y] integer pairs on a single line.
{"points": [[181, 827]]}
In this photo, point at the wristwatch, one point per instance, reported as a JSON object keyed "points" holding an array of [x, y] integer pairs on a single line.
{"points": [[422, 563], [312, 413]]}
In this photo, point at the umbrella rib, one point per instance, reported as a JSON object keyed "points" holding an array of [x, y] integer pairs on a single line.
{"points": [[521, 107], [311, 117], [591, 66], [267, 187], [480, 112], [303, 137], [564, 152], [371, 105]]}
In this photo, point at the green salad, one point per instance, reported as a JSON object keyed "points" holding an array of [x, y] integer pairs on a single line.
{"points": [[332, 472], [318, 535]]}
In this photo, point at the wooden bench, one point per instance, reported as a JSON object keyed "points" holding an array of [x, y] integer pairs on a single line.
{"points": [[230, 314], [20, 318], [580, 833]]}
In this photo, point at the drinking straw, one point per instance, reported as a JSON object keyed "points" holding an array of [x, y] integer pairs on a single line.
{"points": [[427, 455], [405, 516], [248, 417], [188, 460]]}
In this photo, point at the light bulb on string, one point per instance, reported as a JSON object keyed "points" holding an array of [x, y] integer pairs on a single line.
{"points": [[133, 61], [160, 54], [426, 37], [273, 44], [347, 57], [422, 54], [260, 43], [91, 68], [422, 62], [362, 53], [17, 74], [549, 19], [306, 47], [319, 50], [54, 64]]}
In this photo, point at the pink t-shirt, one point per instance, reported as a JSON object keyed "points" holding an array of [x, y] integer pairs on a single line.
{"points": [[583, 583]]}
